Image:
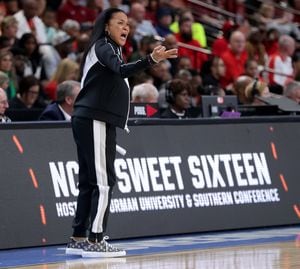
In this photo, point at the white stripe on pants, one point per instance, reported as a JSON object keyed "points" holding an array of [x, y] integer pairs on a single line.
{"points": [[99, 129]]}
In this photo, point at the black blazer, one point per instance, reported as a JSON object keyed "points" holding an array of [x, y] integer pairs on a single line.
{"points": [[52, 112]]}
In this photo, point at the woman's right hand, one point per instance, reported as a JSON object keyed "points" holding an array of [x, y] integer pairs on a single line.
{"points": [[160, 53]]}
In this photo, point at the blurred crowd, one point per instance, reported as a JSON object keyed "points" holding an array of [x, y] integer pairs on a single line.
{"points": [[245, 48]]}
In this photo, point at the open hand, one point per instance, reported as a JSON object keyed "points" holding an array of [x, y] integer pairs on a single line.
{"points": [[160, 53]]}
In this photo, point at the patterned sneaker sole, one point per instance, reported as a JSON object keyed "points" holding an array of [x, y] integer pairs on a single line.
{"points": [[98, 254], [74, 251]]}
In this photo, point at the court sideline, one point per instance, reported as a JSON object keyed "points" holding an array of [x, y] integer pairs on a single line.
{"points": [[272, 248]]}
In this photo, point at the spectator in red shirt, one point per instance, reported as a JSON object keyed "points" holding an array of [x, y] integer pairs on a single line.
{"points": [[185, 36], [271, 41], [71, 9], [235, 57], [220, 45]]}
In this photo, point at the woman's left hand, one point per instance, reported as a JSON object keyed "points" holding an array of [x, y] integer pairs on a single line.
{"points": [[160, 53]]}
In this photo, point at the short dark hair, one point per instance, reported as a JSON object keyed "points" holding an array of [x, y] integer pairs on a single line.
{"points": [[177, 86], [26, 83]]}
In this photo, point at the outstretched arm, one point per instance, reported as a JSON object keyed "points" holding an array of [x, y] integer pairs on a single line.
{"points": [[109, 58]]}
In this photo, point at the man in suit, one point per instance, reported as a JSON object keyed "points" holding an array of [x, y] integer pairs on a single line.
{"points": [[3, 106], [62, 108]]}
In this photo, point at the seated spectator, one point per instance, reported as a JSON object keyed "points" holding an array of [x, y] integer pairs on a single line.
{"points": [[271, 41], [147, 44], [144, 93], [66, 70], [198, 31], [9, 28], [251, 69], [194, 79], [255, 88], [160, 73], [239, 87], [216, 71], [234, 58], [3, 106], [196, 86], [255, 47], [62, 108], [184, 75], [71, 27], [63, 44], [266, 14], [34, 64], [144, 27], [170, 42], [28, 95], [62, 48], [164, 20], [6, 66], [221, 44], [29, 22], [185, 36], [51, 25], [281, 62], [179, 99], [183, 62], [286, 26], [292, 91], [4, 81]]}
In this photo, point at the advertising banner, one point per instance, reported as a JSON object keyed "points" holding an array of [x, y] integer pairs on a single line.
{"points": [[174, 179]]}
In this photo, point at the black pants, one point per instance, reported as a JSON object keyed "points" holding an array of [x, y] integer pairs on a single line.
{"points": [[96, 149]]}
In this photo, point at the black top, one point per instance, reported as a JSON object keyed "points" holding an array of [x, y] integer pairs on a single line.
{"points": [[171, 114], [16, 103], [105, 92]]}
